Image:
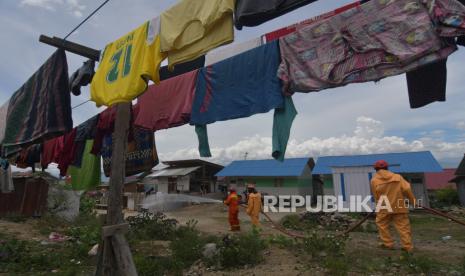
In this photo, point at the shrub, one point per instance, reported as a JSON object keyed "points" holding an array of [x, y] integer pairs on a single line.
{"points": [[445, 197], [282, 241], [331, 249], [328, 245], [295, 222], [242, 249], [188, 244], [148, 226], [87, 205]]}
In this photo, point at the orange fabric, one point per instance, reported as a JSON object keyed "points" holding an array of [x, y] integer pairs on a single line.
{"points": [[395, 188], [401, 223], [233, 214], [254, 206]]}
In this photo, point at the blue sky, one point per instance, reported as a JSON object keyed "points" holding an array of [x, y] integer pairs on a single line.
{"points": [[359, 118]]}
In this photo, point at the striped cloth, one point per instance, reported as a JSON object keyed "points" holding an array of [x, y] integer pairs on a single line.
{"points": [[41, 108]]}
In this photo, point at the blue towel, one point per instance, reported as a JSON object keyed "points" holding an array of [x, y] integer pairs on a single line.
{"points": [[238, 87]]}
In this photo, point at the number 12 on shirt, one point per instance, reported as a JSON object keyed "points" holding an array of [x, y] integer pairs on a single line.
{"points": [[114, 73]]}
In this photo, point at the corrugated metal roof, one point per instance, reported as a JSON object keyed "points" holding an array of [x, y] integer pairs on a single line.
{"points": [[289, 167], [173, 172], [439, 180], [406, 162]]}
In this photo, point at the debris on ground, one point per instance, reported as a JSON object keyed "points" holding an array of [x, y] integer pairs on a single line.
{"points": [[93, 251], [329, 220], [210, 250], [57, 237]]}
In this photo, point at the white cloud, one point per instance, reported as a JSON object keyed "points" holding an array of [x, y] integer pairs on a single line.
{"points": [[367, 138], [45, 4], [72, 6], [461, 125]]}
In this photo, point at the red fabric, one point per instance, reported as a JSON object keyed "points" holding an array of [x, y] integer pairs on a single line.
{"points": [[66, 156], [105, 125], [168, 104], [290, 29], [51, 151], [441, 180]]}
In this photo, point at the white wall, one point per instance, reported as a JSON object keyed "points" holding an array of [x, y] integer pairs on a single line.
{"points": [[356, 182]]}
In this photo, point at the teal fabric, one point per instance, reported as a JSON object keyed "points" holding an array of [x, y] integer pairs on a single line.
{"points": [[202, 135], [282, 123]]}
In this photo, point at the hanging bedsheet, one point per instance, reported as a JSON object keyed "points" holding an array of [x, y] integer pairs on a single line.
{"points": [[41, 108], [141, 153], [276, 34], [367, 43], [191, 28]]}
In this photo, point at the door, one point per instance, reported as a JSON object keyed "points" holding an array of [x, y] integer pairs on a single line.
{"points": [[172, 185]]}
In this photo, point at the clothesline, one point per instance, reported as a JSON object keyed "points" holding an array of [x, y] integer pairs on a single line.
{"points": [[299, 72]]}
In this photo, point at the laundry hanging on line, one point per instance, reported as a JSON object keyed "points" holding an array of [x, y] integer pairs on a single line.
{"points": [[82, 77], [168, 104], [127, 64], [41, 108], [88, 175], [255, 12], [276, 34], [427, 84], [237, 87], [84, 132], [191, 28], [341, 50], [141, 154]]}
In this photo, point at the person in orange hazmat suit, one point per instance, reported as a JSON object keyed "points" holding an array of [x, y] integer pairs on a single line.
{"points": [[393, 196], [233, 214], [254, 204]]}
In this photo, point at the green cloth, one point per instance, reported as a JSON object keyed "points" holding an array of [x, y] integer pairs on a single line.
{"points": [[282, 123], [88, 175], [202, 135]]}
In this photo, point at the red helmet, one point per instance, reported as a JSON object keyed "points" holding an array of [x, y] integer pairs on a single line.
{"points": [[381, 164]]}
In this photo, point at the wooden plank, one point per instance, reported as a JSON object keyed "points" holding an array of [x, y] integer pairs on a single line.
{"points": [[123, 256], [71, 47], [111, 230]]}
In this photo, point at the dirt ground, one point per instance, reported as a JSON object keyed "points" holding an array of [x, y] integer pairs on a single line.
{"points": [[434, 237], [428, 233]]}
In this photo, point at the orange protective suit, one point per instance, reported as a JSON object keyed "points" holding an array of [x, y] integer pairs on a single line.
{"points": [[233, 216], [254, 206], [395, 189]]}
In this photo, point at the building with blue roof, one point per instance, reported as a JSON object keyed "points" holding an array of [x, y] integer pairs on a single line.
{"points": [[292, 176], [351, 174]]}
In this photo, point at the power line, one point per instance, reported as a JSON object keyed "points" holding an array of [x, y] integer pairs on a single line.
{"points": [[83, 103], [87, 18], [77, 27]]}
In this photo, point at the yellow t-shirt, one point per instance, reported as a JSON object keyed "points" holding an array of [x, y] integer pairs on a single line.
{"points": [[192, 28], [127, 64]]}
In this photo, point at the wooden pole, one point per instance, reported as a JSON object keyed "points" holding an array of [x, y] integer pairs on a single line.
{"points": [[116, 257]]}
